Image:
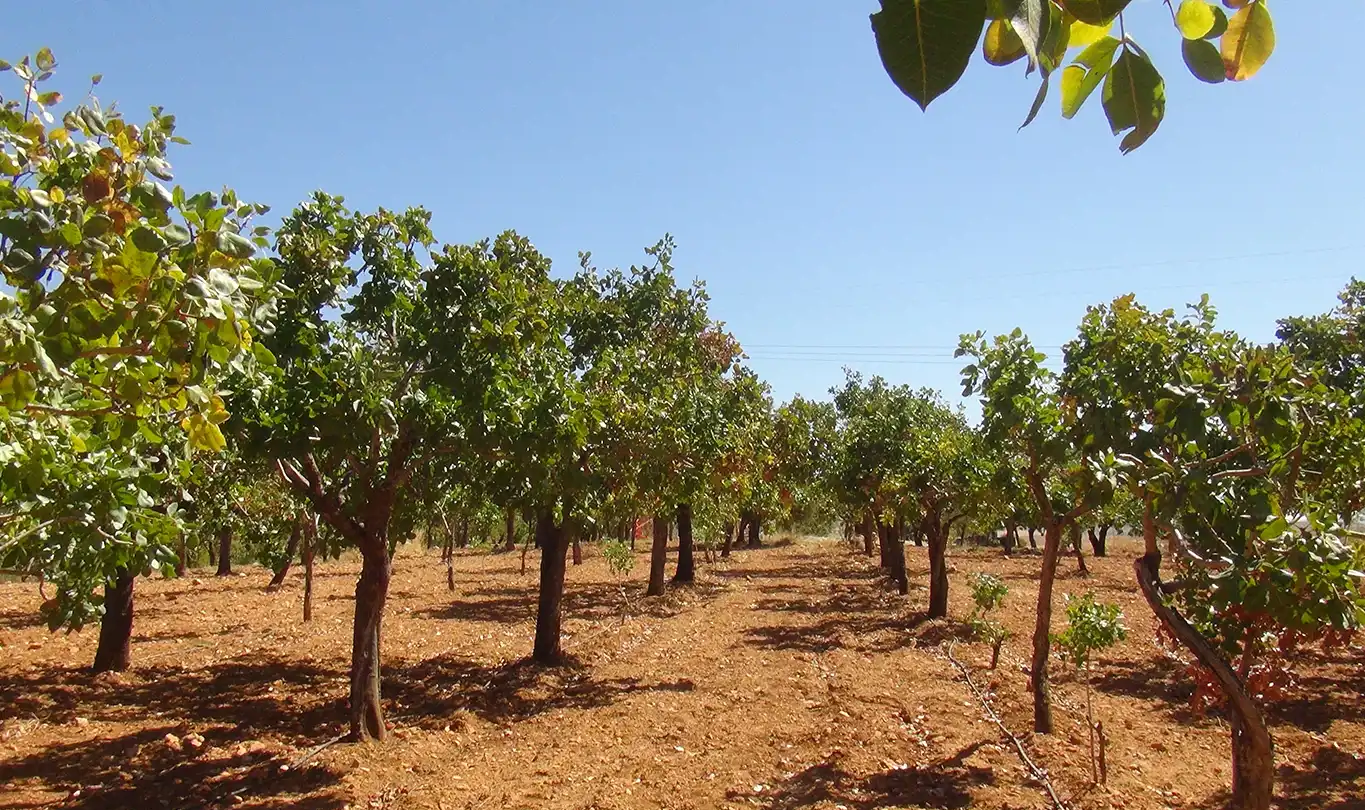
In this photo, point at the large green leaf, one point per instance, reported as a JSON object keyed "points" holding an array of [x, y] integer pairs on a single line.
{"points": [[1032, 20], [1203, 60], [925, 45], [1095, 12], [1248, 42], [1134, 98]]}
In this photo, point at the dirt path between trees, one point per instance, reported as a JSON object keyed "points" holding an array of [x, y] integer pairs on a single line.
{"points": [[787, 678]]}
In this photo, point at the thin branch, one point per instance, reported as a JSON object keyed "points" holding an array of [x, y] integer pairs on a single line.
{"points": [[1250, 472]]}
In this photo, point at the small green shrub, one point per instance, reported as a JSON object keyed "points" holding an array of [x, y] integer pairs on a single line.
{"points": [[620, 559], [989, 594]]}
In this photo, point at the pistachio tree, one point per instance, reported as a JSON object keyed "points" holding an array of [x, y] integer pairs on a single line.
{"points": [[1250, 456], [125, 304], [926, 45], [1022, 415]]}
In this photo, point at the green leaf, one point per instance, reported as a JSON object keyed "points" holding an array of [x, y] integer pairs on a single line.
{"points": [[925, 45], [1248, 43], [1083, 34], [1001, 45], [148, 240], [1095, 12], [235, 245], [1134, 98], [1038, 100], [1032, 21], [44, 59], [1220, 24], [1195, 19], [176, 234], [1203, 60], [1080, 79]]}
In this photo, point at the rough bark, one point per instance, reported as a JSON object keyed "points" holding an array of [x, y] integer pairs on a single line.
{"points": [[868, 532], [1007, 542], [1096, 540], [116, 627], [554, 548], [658, 557], [577, 551], [1253, 753], [371, 592], [894, 549], [509, 541], [224, 552], [1042, 629], [686, 573], [938, 570], [755, 531], [309, 550], [182, 557], [730, 529], [1032, 541], [291, 550]]}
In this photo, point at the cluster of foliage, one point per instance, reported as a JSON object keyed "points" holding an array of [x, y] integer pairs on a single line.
{"points": [[926, 45], [988, 595], [1090, 627]]}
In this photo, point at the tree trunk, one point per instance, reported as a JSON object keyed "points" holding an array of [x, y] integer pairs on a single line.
{"points": [[658, 557], [371, 592], [577, 550], [309, 550], [1032, 541], [509, 542], [1042, 700], [290, 551], [755, 531], [938, 572], [1253, 753], [868, 533], [554, 549], [686, 573], [900, 536], [182, 557], [1076, 547], [895, 556], [1007, 542], [730, 529], [213, 554], [116, 627], [1096, 542], [224, 552], [883, 545], [1102, 550]]}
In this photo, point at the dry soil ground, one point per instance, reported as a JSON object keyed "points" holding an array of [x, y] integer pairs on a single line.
{"points": [[788, 678]]}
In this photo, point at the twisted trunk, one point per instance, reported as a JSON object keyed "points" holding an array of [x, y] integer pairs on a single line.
{"points": [[554, 549], [686, 573], [116, 626], [658, 557], [371, 592]]}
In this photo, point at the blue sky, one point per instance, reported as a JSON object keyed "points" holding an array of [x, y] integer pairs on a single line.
{"points": [[833, 222]]}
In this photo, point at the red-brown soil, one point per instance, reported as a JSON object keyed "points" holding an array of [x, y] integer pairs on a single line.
{"points": [[788, 678]]}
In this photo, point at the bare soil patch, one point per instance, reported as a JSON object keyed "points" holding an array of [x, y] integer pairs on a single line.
{"points": [[789, 677]]}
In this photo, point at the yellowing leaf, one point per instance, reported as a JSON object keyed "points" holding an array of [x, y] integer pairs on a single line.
{"points": [[204, 436], [1002, 46], [1084, 34], [56, 195], [1249, 41], [1194, 19]]}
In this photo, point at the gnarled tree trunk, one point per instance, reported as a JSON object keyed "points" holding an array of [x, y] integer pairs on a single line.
{"points": [[1042, 629], [554, 549], [116, 627], [686, 573], [658, 557], [895, 556], [224, 552]]}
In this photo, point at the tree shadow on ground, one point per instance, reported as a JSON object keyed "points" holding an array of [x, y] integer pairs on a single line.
{"points": [[234, 706], [1333, 690], [1155, 679], [1332, 780], [946, 784], [430, 692], [510, 604]]}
